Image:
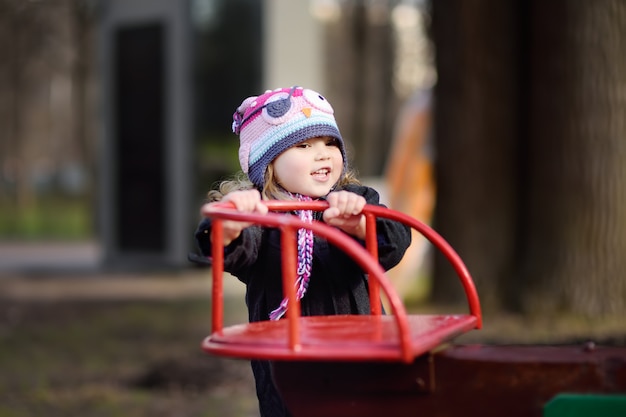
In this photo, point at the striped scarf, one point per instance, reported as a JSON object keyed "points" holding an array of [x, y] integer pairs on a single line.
{"points": [[305, 259]]}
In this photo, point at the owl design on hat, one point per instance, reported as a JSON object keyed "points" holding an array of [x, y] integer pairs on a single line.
{"points": [[270, 123]]}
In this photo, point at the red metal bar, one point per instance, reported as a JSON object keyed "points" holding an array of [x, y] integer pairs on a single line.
{"points": [[435, 238], [287, 205], [371, 243], [289, 265], [360, 256], [217, 253], [444, 247], [343, 242]]}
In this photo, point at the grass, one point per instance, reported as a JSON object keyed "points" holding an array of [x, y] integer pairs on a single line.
{"points": [[48, 218], [141, 357], [130, 358]]}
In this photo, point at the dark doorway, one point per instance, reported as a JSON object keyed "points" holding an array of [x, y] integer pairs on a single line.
{"points": [[139, 111]]}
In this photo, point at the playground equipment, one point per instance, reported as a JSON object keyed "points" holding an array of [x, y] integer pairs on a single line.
{"points": [[401, 364]]}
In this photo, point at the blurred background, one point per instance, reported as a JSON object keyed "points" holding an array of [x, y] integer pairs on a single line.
{"points": [[117, 114], [499, 123]]}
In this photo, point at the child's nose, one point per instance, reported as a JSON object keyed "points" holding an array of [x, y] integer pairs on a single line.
{"points": [[322, 151]]}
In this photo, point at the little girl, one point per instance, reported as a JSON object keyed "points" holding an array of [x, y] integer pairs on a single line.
{"points": [[291, 148]]}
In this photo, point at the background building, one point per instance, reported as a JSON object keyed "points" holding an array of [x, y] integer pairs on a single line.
{"points": [[116, 114]]}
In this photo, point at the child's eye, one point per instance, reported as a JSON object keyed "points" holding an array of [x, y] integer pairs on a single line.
{"points": [[332, 142], [303, 145]]}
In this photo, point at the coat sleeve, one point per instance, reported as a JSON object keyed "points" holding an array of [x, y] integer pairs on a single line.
{"points": [[240, 255], [393, 237]]}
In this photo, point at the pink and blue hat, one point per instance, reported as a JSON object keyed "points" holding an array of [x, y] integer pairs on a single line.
{"points": [[273, 122]]}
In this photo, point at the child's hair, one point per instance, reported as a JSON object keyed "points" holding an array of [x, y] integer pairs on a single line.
{"points": [[238, 182], [271, 189]]}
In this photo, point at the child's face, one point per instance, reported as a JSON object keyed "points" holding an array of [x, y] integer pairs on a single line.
{"points": [[310, 168]]}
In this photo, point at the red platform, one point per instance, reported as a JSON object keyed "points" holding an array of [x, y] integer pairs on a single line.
{"points": [[342, 338], [375, 337]]}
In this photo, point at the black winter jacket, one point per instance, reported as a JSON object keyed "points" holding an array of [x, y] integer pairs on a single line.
{"points": [[337, 284]]}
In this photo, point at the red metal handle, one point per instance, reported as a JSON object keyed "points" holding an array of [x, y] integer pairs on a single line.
{"points": [[366, 259]]}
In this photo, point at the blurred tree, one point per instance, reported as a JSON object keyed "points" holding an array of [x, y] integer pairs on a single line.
{"points": [[46, 106], [21, 43], [531, 152], [82, 38], [576, 203], [228, 67], [359, 67]]}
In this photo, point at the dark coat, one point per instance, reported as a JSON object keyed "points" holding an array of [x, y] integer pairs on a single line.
{"points": [[337, 284]]}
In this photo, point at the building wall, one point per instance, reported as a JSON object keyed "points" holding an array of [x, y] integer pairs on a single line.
{"points": [[293, 46]]}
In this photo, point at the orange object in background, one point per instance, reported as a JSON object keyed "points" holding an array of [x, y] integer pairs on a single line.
{"points": [[410, 187]]}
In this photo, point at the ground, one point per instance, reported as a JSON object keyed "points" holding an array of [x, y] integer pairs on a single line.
{"points": [[129, 345], [121, 345]]}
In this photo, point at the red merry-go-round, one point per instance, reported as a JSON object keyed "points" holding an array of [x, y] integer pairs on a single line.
{"points": [[401, 364]]}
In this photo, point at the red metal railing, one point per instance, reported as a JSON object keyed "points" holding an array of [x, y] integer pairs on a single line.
{"points": [[288, 225]]}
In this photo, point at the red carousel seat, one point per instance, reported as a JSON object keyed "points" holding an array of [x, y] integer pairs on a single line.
{"points": [[375, 337]]}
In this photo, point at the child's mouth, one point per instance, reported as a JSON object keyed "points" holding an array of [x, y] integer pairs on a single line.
{"points": [[321, 173]]}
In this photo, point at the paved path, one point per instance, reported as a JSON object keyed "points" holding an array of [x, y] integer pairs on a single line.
{"points": [[192, 283], [21, 257], [71, 271]]}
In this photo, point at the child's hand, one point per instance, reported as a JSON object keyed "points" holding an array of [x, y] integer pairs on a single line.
{"points": [[345, 212], [245, 201]]}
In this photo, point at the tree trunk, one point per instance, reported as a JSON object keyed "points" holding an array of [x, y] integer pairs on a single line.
{"points": [[574, 256], [359, 68], [476, 127], [531, 169], [82, 120]]}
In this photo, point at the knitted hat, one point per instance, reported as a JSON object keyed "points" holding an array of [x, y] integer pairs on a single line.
{"points": [[273, 122]]}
